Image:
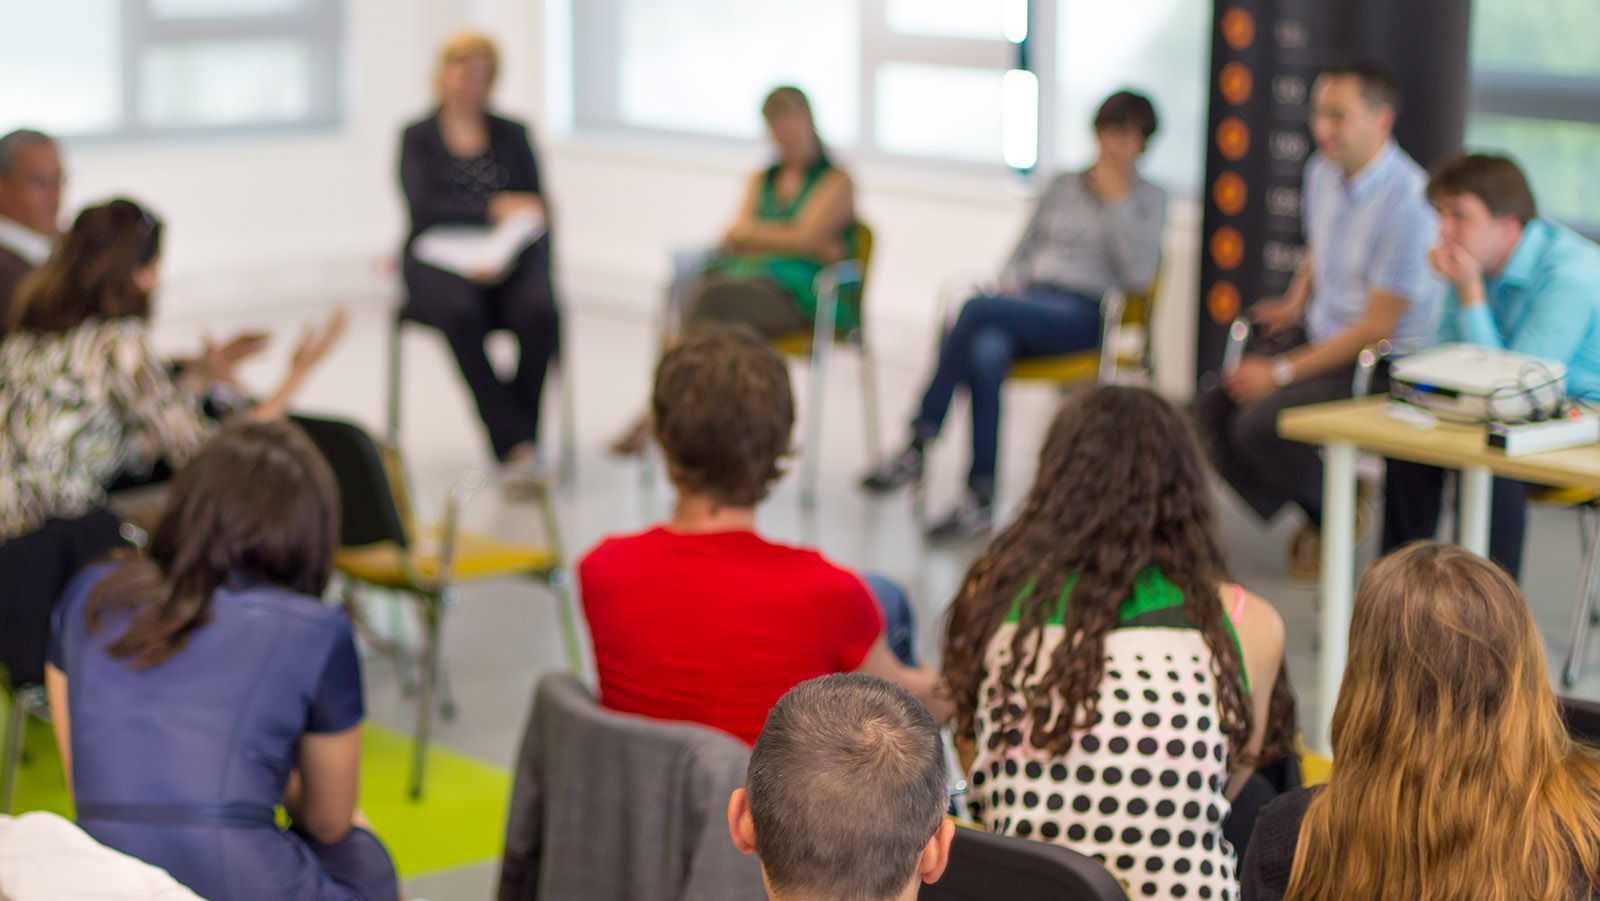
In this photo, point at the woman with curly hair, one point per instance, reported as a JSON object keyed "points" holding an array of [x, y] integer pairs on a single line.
{"points": [[1112, 689]]}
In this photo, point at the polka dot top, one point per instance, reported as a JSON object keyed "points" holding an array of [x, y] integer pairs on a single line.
{"points": [[1141, 791]]}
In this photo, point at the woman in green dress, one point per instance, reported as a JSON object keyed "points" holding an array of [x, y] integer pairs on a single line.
{"points": [[797, 216]]}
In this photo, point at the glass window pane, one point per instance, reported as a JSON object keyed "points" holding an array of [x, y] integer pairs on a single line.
{"points": [[1558, 157], [949, 112], [1160, 48], [61, 66], [675, 60], [948, 18], [1550, 37], [188, 9], [225, 83]]}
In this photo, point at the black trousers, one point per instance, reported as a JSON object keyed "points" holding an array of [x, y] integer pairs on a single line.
{"points": [[34, 569], [524, 303], [1412, 496], [1265, 470]]}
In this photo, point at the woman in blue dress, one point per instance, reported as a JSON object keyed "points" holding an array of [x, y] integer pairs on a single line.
{"points": [[195, 687]]}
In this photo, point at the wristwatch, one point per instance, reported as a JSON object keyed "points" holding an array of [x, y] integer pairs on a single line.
{"points": [[1282, 371]]}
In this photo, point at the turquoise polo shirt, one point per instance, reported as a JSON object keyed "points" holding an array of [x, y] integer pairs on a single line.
{"points": [[1545, 302]]}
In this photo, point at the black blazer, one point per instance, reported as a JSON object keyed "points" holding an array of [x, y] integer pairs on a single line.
{"points": [[425, 173]]}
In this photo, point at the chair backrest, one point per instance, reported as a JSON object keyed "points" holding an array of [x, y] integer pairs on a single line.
{"points": [[615, 806], [984, 866], [370, 510]]}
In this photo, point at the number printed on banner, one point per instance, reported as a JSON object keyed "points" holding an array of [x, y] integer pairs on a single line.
{"points": [[1281, 257], [1283, 201], [1289, 90], [1290, 145]]}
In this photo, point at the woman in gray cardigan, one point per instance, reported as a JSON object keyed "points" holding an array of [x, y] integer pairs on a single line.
{"points": [[1091, 231]]}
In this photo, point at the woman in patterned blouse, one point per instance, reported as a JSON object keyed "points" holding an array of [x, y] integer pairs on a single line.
{"points": [[84, 397]]}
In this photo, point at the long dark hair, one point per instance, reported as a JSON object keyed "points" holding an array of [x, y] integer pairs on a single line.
{"points": [[259, 502], [1120, 486], [91, 275]]}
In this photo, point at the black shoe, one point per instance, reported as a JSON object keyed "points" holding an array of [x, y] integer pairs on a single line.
{"points": [[973, 517], [897, 472]]}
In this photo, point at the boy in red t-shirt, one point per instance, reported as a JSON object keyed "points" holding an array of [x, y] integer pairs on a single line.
{"points": [[700, 618]]}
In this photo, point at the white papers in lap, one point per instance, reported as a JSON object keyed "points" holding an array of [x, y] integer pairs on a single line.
{"points": [[477, 251]]}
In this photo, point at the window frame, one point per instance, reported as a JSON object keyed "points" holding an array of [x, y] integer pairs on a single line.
{"points": [[318, 26]]}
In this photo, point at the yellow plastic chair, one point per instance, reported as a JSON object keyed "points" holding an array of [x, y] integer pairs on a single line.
{"points": [[382, 546], [1119, 312], [816, 347]]}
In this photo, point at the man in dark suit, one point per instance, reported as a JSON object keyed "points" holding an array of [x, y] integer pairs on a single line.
{"points": [[30, 208]]}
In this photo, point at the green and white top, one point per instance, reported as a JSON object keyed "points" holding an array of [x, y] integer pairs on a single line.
{"points": [[1142, 789]]}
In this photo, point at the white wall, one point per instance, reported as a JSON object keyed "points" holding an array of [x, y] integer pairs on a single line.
{"points": [[275, 220]]}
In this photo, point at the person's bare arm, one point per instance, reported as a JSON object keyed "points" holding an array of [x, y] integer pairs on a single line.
{"points": [[815, 229], [314, 345], [1288, 308], [745, 218], [55, 687], [1382, 318], [921, 681], [322, 800], [1260, 631]]}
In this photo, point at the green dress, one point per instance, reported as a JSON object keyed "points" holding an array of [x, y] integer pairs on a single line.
{"points": [[795, 274]]}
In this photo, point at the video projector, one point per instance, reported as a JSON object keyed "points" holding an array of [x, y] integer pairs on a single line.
{"points": [[1479, 384]]}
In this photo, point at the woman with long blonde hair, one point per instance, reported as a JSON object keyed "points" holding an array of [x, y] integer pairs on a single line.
{"points": [[1453, 775]]}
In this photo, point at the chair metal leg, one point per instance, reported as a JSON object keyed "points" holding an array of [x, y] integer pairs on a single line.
{"points": [[560, 582], [393, 424], [1577, 636], [431, 610], [447, 698], [569, 424], [869, 401], [11, 762]]}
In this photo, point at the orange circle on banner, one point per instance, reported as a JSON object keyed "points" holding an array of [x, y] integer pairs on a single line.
{"points": [[1233, 138], [1222, 302], [1234, 82], [1238, 28], [1227, 247], [1229, 192]]}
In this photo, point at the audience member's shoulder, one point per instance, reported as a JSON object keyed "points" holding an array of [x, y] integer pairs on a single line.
{"points": [[81, 584], [419, 127], [1149, 191], [301, 608], [1282, 816], [621, 546]]}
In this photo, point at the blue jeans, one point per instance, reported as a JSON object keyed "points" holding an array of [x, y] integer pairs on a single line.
{"points": [[900, 627], [978, 350]]}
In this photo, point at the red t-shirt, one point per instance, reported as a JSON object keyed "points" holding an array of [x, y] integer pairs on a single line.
{"points": [[714, 628]]}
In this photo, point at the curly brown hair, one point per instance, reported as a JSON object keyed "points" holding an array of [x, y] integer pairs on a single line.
{"points": [[723, 412], [1121, 486]]}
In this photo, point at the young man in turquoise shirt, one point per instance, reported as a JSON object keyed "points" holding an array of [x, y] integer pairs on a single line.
{"points": [[1517, 282]]}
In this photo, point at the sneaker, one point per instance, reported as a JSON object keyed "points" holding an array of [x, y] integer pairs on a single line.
{"points": [[1305, 553], [973, 517], [895, 473]]}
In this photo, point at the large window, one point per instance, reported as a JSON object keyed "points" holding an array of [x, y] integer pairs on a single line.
{"points": [[986, 83], [1536, 96], [135, 67]]}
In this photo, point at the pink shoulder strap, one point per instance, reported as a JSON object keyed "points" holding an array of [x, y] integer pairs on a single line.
{"points": [[1237, 612]]}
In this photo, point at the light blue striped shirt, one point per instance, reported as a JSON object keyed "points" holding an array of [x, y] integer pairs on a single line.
{"points": [[1369, 233], [1545, 302]]}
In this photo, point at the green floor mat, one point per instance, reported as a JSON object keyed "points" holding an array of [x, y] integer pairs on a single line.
{"points": [[460, 821]]}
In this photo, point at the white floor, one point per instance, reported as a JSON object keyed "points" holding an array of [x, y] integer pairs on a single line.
{"points": [[502, 637]]}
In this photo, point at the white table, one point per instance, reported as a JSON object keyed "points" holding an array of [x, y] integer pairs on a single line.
{"points": [[1345, 426]]}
